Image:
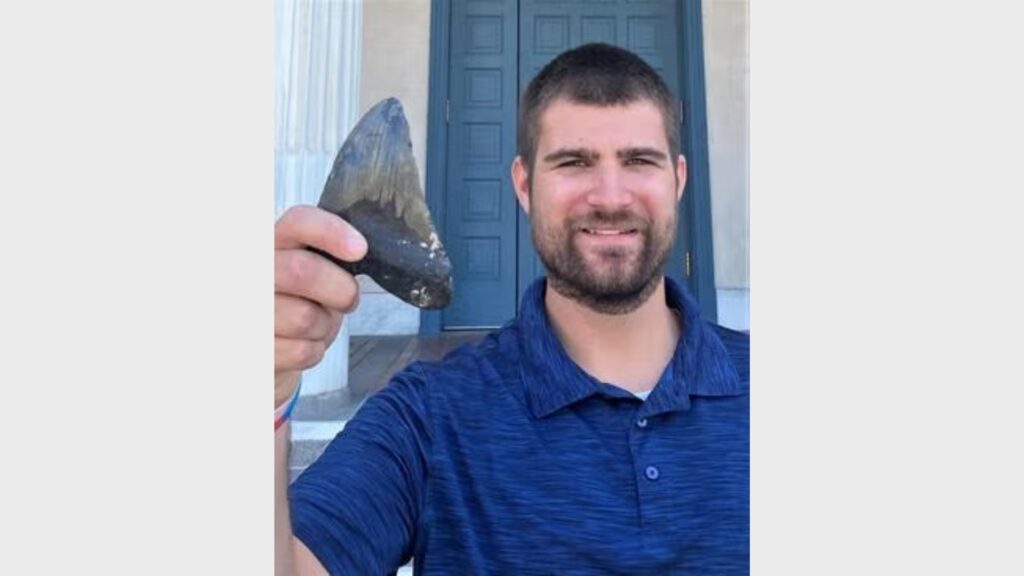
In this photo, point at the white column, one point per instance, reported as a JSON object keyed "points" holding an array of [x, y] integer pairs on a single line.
{"points": [[317, 46]]}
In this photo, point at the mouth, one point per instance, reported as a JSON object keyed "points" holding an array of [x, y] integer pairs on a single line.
{"points": [[609, 231]]}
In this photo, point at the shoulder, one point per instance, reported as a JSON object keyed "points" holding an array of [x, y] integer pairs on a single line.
{"points": [[737, 345], [736, 342], [465, 369]]}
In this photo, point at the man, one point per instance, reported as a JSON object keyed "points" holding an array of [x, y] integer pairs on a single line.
{"points": [[603, 431]]}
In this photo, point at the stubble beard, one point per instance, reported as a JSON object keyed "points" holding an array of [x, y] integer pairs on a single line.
{"points": [[624, 279]]}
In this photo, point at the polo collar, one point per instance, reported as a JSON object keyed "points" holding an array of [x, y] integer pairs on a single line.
{"points": [[700, 365]]}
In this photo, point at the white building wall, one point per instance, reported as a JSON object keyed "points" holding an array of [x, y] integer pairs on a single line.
{"points": [[726, 69], [316, 87]]}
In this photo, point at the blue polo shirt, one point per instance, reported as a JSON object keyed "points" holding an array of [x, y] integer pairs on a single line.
{"points": [[507, 458]]}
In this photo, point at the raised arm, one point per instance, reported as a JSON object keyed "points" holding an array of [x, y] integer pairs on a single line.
{"points": [[311, 297]]}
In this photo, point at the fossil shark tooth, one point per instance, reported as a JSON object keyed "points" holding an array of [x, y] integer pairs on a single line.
{"points": [[375, 186]]}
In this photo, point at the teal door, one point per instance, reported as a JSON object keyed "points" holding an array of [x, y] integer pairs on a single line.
{"points": [[480, 204], [494, 49]]}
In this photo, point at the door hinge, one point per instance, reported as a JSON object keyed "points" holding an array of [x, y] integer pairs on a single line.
{"points": [[687, 263]]}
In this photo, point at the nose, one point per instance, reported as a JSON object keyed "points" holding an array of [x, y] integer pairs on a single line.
{"points": [[609, 189]]}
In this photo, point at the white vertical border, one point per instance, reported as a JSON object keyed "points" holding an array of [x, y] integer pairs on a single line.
{"points": [[885, 209], [135, 310]]}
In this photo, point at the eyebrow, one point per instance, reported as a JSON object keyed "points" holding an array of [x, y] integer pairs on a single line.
{"points": [[570, 154], [584, 154], [652, 153]]}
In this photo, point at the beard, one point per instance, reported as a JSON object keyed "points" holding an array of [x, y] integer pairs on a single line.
{"points": [[616, 279]]}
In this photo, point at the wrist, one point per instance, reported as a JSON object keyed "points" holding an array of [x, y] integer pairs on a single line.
{"points": [[283, 411], [284, 386]]}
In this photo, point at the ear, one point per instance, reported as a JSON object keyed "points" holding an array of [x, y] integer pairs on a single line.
{"points": [[520, 180], [680, 176]]}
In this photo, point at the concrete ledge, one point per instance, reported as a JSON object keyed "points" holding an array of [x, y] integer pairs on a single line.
{"points": [[316, 431], [380, 313], [734, 308]]}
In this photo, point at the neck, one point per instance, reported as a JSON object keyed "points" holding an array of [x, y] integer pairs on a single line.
{"points": [[627, 350]]}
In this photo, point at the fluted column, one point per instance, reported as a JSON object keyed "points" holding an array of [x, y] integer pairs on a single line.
{"points": [[317, 51]]}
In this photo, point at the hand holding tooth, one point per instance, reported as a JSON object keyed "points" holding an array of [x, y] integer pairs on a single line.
{"points": [[374, 188], [311, 294]]}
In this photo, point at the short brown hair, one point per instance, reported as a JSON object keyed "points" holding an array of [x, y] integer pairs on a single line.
{"points": [[599, 74]]}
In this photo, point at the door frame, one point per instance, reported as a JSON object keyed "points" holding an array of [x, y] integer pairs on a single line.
{"points": [[694, 141]]}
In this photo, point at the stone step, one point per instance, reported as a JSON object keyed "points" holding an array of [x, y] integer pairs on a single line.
{"points": [[304, 453], [316, 420]]}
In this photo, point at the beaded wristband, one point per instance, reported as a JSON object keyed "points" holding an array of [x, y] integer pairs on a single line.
{"points": [[283, 411]]}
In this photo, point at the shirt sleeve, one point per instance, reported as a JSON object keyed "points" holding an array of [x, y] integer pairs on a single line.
{"points": [[357, 506]]}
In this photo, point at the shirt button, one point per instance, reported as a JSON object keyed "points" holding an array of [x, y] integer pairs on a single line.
{"points": [[642, 423], [652, 473]]}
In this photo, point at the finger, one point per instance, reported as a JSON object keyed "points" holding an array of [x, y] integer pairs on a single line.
{"points": [[300, 318], [311, 226], [336, 319], [296, 354], [307, 275]]}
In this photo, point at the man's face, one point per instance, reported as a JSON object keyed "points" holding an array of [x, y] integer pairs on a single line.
{"points": [[602, 198]]}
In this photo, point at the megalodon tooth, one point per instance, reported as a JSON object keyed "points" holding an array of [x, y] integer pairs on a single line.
{"points": [[375, 186]]}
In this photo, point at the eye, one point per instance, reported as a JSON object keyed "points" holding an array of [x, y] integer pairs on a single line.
{"points": [[638, 161], [577, 163]]}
